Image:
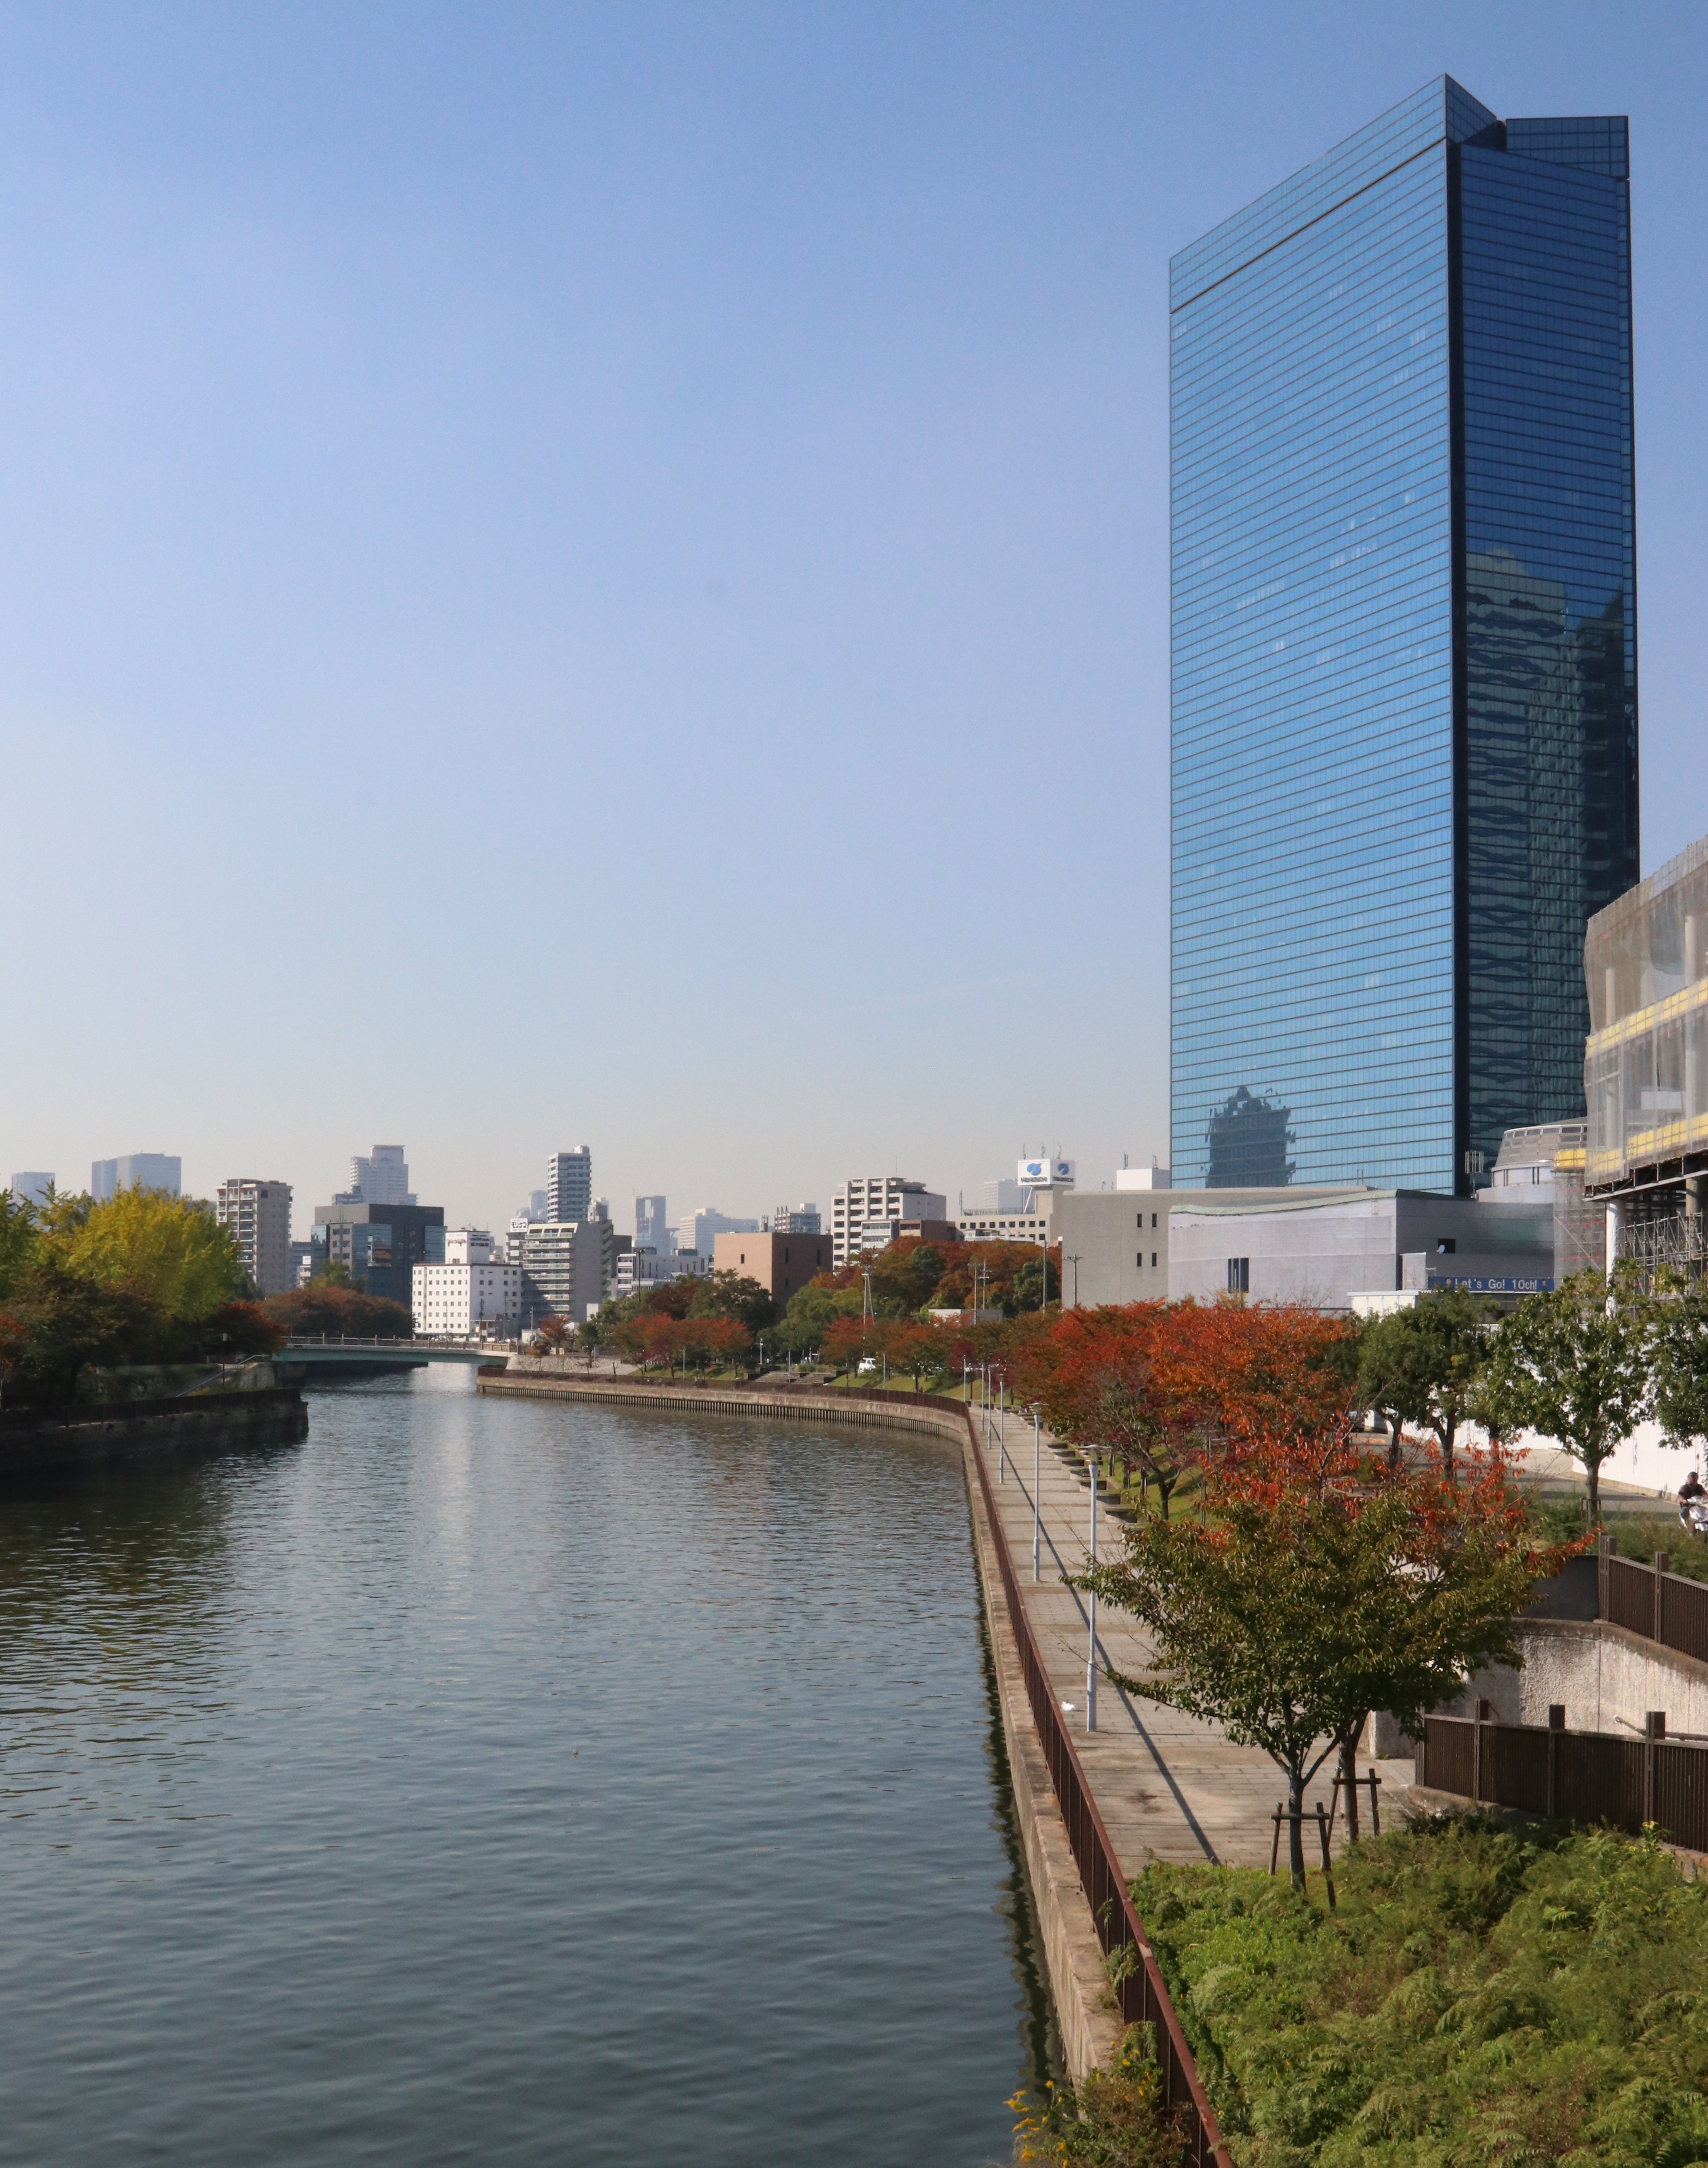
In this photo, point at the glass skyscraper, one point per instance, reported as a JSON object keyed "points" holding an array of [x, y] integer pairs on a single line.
{"points": [[1404, 646]]}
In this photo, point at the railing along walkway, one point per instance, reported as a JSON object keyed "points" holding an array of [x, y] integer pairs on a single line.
{"points": [[1168, 1786]]}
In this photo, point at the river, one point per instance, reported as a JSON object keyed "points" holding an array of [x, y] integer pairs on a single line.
{"points": [[505, 1781]]}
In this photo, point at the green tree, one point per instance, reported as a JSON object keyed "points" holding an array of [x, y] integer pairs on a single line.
{"points": [[167, 1249], [904, 1277], [20, 1242], [1575, 1366], [62, 1322], [812, 1309], [1322, 1588], [1423, 1364], [1027, 1290], [1680, 1358], [733, 1297]]}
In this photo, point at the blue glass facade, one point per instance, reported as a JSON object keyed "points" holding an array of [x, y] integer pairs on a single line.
{"points": [[1403, 646]]}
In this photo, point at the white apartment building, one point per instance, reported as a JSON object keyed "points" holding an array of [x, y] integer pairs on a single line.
{"points": [[864, 1200], [258, 1216], [566, 1268], [475, 1294], [638, 1269]]}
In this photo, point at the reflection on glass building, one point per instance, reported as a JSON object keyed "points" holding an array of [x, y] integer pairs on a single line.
{"points": [[1404, 646]]}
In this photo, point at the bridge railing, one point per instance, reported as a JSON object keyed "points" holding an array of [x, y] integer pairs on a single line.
{"points": [[417, 1340]]}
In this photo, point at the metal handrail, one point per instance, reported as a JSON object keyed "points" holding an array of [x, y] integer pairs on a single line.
{"points": [[1140, 1993]]}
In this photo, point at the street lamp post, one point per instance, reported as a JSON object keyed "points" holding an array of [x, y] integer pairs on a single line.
{"points": [[1037, 1465], [1001, 1442], [1091, 1621]]}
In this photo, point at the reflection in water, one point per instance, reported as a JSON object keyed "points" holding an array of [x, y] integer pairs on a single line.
{"points": [[516, 1782]]}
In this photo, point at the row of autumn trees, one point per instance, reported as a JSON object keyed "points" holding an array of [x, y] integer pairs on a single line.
{"points": [[1321, 1576], [881, 1309]]}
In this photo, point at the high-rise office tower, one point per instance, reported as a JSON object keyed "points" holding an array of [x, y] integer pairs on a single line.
{"points": [[1404, 646], [162, 1171], [380, 1178], [569, 1184]]}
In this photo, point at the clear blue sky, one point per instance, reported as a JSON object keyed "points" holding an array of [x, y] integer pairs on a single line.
{"points": [[601, 574]]}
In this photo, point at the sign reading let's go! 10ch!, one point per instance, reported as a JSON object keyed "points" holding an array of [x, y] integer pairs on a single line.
{"points": [[1475, 1284]]}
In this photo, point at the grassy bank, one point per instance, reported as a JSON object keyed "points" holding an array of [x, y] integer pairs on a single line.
{"points": [[1481, 1995]]}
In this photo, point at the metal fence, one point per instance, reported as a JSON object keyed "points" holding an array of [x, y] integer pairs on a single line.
{"points": [[1580, 1775], [1140, 1993]]}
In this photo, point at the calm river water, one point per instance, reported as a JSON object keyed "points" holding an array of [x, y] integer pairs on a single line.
{"points": [[485, 1782]]}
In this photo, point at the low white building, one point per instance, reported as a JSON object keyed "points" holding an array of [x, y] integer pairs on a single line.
{"points": [[475, 1294], [638, 1269], [1023, 1210], [865, 1200]]}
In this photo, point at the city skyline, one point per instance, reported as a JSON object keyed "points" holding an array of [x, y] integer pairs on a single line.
{"points": [[719, 424]]}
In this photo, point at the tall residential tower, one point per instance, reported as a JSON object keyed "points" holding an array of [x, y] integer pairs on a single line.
{"points": [[1404, 646]]}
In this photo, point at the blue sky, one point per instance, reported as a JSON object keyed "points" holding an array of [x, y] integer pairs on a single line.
{"points": [[601, 574]]}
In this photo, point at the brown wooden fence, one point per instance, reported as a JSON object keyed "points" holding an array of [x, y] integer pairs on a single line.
{"points": [[1581, 1776], [1663, 1606]]}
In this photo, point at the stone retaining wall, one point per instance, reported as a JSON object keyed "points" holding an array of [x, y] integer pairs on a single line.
{"points": [[203, 1422]]}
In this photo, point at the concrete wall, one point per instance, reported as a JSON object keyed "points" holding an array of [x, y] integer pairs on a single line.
{"points": [[1607, 1678], [1322, 1248], [1114, 1233], [1319, 1248]]}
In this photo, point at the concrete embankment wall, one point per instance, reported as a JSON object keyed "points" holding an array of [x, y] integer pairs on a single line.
{"points": [[1073, 1954], [202, 1422]]}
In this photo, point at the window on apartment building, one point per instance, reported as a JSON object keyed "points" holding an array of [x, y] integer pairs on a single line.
{"points": [[1153, 1260], [1239, 1275]]}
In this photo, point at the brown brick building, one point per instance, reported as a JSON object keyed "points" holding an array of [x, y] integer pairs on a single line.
{"points": [[782, 1264]]}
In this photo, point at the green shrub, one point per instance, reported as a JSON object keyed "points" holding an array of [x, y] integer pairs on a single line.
{"points": [[1116, 2119], [1481, 1996]]}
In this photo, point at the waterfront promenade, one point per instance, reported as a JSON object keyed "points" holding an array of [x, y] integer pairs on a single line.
{"points": [[1168, 1786]]}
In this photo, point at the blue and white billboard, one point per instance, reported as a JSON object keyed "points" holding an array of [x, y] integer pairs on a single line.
{"points": [[1047, 1173]]}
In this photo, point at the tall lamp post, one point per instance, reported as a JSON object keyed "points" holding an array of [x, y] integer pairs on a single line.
{"points": [[1036, 1467], [1091, 1620]]}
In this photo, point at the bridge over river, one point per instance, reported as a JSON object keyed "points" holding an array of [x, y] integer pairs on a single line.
{"points": [[306, 1357]]}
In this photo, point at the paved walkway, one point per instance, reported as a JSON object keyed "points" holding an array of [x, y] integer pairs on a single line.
{"points": [[1168, 1786]]}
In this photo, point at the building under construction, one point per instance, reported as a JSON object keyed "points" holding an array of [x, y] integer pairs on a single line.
{"points": [[1646, 1067]]}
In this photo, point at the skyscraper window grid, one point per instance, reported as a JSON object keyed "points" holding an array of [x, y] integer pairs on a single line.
{"points": [[1338, 968]]}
